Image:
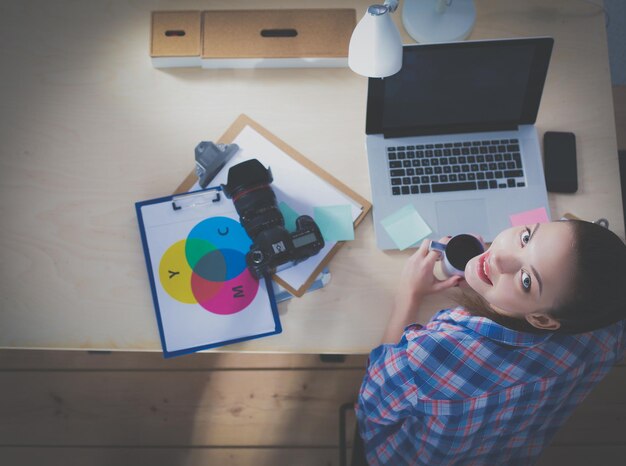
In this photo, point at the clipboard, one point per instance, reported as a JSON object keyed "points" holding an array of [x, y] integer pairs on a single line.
{"points": [[204, 295], [318, 175]]}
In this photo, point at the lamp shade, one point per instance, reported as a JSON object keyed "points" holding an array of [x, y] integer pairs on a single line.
{"points": [[375, 46]]}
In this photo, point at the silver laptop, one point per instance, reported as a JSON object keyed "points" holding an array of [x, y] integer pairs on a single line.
{"points": [[453, 134]]}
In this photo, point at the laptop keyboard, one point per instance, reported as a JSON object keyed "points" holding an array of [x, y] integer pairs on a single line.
{"points": [[458, 166]]}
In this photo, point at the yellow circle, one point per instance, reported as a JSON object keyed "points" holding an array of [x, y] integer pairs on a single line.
{"points": [[175, 274]]}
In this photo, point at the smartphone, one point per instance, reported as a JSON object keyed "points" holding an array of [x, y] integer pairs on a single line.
{"points": [[559, 162]]}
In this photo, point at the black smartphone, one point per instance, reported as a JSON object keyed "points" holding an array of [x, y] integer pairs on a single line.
{"points": [[559, 162]]}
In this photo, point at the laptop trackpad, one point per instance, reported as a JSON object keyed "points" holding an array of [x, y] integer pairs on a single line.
{"points": [[467, 216]]}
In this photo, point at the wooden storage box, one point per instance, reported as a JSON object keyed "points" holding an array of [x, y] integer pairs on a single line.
{"points": [[276, 38], [176, 39]]}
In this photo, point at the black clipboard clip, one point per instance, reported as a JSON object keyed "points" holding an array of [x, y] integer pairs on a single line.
{"points": [[204, 197]]}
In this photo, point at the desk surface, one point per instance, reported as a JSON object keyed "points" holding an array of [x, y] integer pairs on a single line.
{"points": [[88, 127]]}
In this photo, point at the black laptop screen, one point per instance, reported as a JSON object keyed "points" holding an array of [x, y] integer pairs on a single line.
{"points": [[467, 86]]}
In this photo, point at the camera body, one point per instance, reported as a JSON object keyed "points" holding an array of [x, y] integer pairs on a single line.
{"points": [[248, 186]]}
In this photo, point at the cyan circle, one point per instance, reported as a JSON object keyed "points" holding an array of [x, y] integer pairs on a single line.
{"points": [[222, 233]]}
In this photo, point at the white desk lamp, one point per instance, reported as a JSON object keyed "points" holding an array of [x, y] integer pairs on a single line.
{"points": [[375, 47], [438, 20]]}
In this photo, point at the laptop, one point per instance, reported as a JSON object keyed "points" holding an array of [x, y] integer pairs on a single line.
{"points": [[453, 134]]}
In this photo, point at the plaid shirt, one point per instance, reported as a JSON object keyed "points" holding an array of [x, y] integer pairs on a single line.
{"points": [[465, 390]]}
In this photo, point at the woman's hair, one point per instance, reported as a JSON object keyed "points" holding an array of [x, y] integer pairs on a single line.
{"points": [[597, 288]]}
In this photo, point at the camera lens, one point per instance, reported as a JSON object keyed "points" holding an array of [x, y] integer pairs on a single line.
{"points": [[249, 188]]}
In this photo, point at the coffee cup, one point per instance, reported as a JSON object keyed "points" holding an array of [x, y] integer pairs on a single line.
{"points": [[457, 253]]}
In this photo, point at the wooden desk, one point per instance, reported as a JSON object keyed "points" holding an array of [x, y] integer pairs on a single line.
{"points": [[88, 127]]}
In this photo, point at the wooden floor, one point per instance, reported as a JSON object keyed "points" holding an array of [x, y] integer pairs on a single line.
{"points": [[65, 408]]}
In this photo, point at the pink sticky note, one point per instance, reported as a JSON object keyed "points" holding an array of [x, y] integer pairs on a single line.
{"points": [[530, 217]]}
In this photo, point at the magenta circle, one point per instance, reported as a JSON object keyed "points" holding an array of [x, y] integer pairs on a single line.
{"points": [[233, 295]]}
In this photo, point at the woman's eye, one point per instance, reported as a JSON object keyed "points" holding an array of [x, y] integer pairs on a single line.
{"points": [[526, 281], [525, 237]]}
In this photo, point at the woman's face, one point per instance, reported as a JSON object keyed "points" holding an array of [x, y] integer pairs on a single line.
{"points": [[525, 271]]}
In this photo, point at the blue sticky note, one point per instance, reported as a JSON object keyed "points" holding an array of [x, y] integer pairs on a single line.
{"points": [[335, 222], [406, 227], [290, 216]]}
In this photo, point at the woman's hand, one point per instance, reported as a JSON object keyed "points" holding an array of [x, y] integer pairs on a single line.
{"points": [[417, 279]]}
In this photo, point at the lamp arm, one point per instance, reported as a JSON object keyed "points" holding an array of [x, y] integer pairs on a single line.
{"points": [[392, 5]]}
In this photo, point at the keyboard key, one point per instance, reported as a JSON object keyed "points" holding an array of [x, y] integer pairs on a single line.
{"points": [[402, 155], [406, 180], [513, 173], [392, 156], [415, 189], [410, 172], [395, 191], [453, 178], [489, 175], [521, 184], [426, 163], [465, 168], [395, 164], [445, 187], [415, 180], [420, 154], [438, 170], [428, 170], [406, 163], [499, 174], [447, 169], [419, 171], [443, 178], [410, 147], [471, 176], [425, 179], [410, 154], [424, 189], [512, 148], [493, 184], [462, 177], [480, 176], [416, 163], [501, 166], [482, 185], [502, 185], [396, 181], [438, 146], [406, 190], [397, 172], [434, 179], [510, 182], [456, 169]]}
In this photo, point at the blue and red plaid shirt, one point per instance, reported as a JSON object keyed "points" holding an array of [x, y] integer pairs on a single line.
{"points": [[466, 390]]}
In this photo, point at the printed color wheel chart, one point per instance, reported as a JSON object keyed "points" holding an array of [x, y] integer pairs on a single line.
{"points": [[209, 267]]}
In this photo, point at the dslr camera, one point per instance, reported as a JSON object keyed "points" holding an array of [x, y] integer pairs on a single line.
{"points": [[248, 185]]}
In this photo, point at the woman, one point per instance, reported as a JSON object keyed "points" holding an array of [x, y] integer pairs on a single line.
{"points": [[490, 382]]}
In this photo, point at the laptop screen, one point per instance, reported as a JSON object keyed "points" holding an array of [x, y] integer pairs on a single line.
{"points": [[460, 87]]}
